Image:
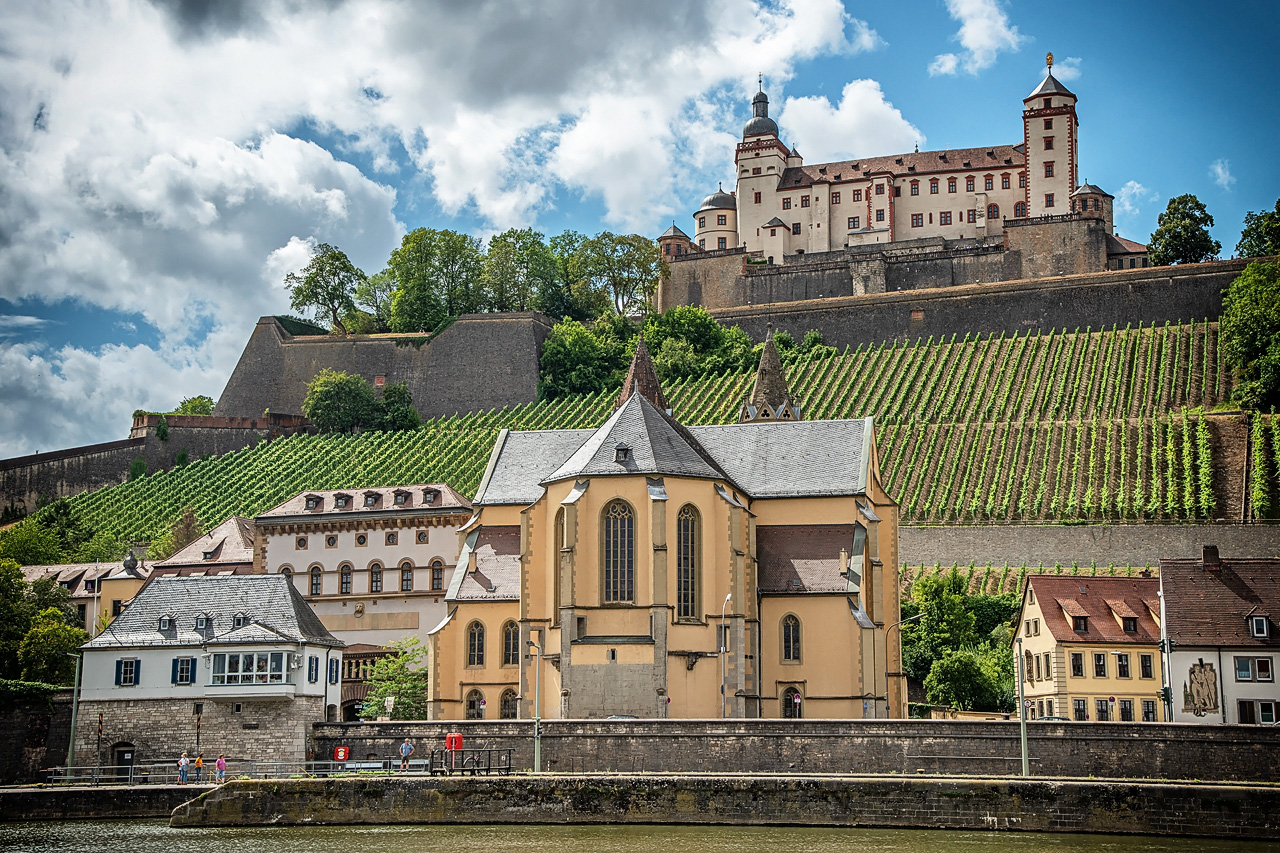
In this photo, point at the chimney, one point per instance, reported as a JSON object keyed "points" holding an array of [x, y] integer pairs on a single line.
{"points": [[1211, 560]]}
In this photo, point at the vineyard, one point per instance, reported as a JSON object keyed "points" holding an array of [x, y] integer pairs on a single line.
{"points": [[1003, 580], [1057, 426]]}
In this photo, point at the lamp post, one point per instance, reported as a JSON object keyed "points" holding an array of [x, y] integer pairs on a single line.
{"points": [[75, 707], [1022, 710], [897, 625], [537, 710], [724, 664]]}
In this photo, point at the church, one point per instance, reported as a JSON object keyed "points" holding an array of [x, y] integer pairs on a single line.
{"points": [[654, 570]]}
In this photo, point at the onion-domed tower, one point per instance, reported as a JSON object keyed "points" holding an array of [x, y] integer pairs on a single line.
{"points": [[716, 222]]}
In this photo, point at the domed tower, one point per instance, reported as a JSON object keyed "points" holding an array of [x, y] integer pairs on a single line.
{"points": [[716, 222], [1094, 203], [760, 123], [1051, 137], [760, 160]]}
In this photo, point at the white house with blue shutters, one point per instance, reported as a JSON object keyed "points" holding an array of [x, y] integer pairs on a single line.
{"points": [[233, 664]]}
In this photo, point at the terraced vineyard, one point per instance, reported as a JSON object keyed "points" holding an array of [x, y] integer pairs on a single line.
{"points": [[1055, 426], [996, 580]]}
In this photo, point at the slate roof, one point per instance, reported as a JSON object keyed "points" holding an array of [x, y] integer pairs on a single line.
{"points": [[673, 231], [802, 558], [770, 387], [497, 553], [719, 200], [999, 158], [1209, 604], [520, 461], [229, 543], [276, 611], [1090, 189], [643, 379], [1093, 597], [792, 458], [1050, 85], [447, 499]]}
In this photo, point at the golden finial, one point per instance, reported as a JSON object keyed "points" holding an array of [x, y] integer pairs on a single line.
{"points": [[1049, 60]]}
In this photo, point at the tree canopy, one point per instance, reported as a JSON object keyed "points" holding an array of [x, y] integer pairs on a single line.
{"points": [[327, 285], [1249, 334], [626, 267], [197, 405], [399, 675], [1182, 234], [35, 628], [1260, 237], [344, 402]]}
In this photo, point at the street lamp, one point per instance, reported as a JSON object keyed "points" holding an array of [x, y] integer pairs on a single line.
{"points": [[537, 710], [897, 625], [75, 707], [1022, 710], [724, 664]]}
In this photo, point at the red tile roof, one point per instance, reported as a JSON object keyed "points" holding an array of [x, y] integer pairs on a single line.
{"points": [[1210, 605], [802, 557], [384, 497], [994, 159], [1093, 598]]}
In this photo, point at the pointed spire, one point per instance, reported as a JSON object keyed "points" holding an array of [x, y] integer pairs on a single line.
{"points": [[770, 396], [642, 379]]}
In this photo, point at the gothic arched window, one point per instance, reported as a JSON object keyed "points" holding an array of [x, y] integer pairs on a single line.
{"points": [[475, 644], [618, 553], [510, 706], [475, 705], [792, 707], [687, 563], [510, 644], [790, 639]]}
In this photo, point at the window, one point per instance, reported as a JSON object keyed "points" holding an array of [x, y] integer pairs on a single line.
{"points": [[1048, 668], [422, 537], [375, 577], [853, 223], [341, 501], [117, 607], [790, 639], [702, 222], [1077, 664], [1080, 624], [968, 184], [755, 170], [1048, 199], [933, 186], [989, 182], [757, 198], [786, 203], [951, 185], [317, 582], [1022, 180], [239, 620], [795, 227], [972, 216], [915, 188], [1048, 143], [1244, 669], [371, 499], [1036, 660], [128, 672], [313, 669], [361, 540], [1048, 124], [993, 211], [250, 668], [619, 551], [1126, 710], [722, 243], [331, 541], [202, 621], [510, 644], [835, 198], [400, 498], [792, 708], [1148, 710], [1246, 714], [475, 705], [1262, 669], [1004, 182], [1145, 669], [475, 644], [1267, 712], [165, 623], [406, 577], [1020, 210], [1130, 624], [1048, 169], [1048, 704], [184, 670], [1258, 626], [687, 563], [1080, 710], [722, 219], [509, 708], [393, 538], [804, 201], [879, 216], [313, 501], [1122, 665], [437, 575], [1099, 665], [917, 220], [1102, 708], [345, 579], [944, 218], [857, 195], [879, 189]]}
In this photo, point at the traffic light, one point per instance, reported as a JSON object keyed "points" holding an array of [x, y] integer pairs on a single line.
{"points": [[1166, 693]]}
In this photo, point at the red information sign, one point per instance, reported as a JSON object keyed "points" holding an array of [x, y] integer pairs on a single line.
{"points": [[341, 753]]}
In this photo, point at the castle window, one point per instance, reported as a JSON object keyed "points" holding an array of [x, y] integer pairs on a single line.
{"points": [[1004, 182], [989, 182], [835, 198], [392, 538], [879, 216], [1048, 143], [475, 705], [790, 639], [702, 222], [933, 186], [345, 576], [1022, 180], [804, 201], [317, 582], [406, 577], [795, 227], [722, 242], [375, 577], [915, 188], [786, 203], [510, 644], [1048, 103], [792, 708], [972, 216], [968, 184], [857, 195], [757, 198], [1048, 124], [687, 563], [993, 211], [475, 644], [879, 189], [755, 170], [722, 219], [1048, 169], [702, 244], [1048, 199], [853, 223], [437, 575], [1020, 210], [509, 707], [618, 569], [917, 220], [944, 218], [951, 185]]}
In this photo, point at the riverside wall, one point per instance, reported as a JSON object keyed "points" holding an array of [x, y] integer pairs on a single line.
{"points": [[34, 734], [1102, 750], [1025, 805], [74, 803]]}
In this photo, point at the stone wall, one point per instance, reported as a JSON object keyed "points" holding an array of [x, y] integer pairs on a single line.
{"points": [[1012, 804], [1104, 750], [479, 362], [160, 730], [139, 801], [33, 737], [1058, 245]]}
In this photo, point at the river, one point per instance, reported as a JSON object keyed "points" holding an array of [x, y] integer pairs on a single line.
{"points": [[155, 836]]}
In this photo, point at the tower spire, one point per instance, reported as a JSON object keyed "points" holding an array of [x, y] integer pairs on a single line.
{"points": [[770, 398], [642, 379]]}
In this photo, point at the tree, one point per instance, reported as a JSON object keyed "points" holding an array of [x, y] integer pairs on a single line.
{"points": [[29, 543], [576, 360], [162, 428], [437, 276], [327, 285], [946, 624], [43, 652], [626, 267], [1182, 234], [1261, 235], [398, 410], [569, 292], [961, 680], [137, 468], [398, 675], [341, 402], [1249, 334], [15, 617], [519, 265], [60, 520], [183, 530], [373, 298], [197, 405], [688, 341]]}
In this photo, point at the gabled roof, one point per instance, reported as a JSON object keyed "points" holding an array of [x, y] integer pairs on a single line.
{"points": [[276, 612], [775, 223], [995, 159], [792, 458], [1050, 85], [1063, 596], [497, 573], [1208, 604], [1121, 246], [446, 499], [803, 558], [229, 542]]}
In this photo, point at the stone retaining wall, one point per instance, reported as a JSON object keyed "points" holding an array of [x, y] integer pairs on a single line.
{"points": [[139, 801]]}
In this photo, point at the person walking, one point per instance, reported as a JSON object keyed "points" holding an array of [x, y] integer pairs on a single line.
{"points": [[183, 763], [199, 766], [406, 749], [220, 767]]}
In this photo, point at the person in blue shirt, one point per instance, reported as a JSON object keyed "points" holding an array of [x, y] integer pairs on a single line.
{"points": [[406, 749]]}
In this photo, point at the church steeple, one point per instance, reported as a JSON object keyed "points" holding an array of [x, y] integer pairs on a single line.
{"points": [[770, 398], [643, 379]]}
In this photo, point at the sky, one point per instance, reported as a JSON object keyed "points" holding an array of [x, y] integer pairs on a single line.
{"points": [[163, 165]]}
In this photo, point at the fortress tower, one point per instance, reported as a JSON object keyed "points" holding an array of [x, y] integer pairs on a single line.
{"points": [[1052, 145]]}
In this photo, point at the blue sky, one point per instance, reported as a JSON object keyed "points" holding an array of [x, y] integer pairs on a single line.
{"points": [[163, 165]]}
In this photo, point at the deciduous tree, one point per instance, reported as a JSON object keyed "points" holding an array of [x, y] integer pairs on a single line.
{"points": [[44, 652], [437, 275], [327, 285], [341, 402], [1249, 334], [197, 405], [1182, 234], [399, 675], [626, 267], [519, 265], [1261, 235]]}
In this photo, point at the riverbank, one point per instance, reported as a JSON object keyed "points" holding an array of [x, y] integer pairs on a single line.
{"points": [[1043, 805], [66, 802]]}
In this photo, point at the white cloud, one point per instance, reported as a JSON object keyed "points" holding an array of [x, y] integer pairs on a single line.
{"points": [[1131, 197], [1220, 171], [863, 124], [984, 32], [1066, 68]]}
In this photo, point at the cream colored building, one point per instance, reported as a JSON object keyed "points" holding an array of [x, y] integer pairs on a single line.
{"points": [[1091, 648], [671, 571], [99, 591]]}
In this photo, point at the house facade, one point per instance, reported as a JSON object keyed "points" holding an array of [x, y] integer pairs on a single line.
{"points": [[1091, 648], [650, 569], [99, 591], [1220, 627], [236, 664]]}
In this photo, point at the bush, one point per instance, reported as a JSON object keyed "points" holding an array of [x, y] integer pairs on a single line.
{"points": [[137, 468]]}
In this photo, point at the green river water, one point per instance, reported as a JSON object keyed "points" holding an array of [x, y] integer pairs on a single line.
{"points": [[155, 836]]}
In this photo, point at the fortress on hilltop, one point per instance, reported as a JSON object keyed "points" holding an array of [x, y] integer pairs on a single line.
{"points": [[923, 219]]}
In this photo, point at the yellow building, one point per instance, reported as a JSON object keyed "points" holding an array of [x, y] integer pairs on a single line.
{"points": [[1091, 648], [99, 591], [664, 571]]}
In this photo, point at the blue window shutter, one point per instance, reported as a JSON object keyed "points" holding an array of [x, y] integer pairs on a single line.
{"points": [[174, 679], [119, 671], [193, 672], [137, 672]]}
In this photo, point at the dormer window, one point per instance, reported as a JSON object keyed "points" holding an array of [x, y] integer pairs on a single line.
{"points": [[1259, 627], [202, 622], [239, 620], [166, 622], [622, 454], [429, 496], [371, 499], [1130, 624], [206, 555], [401, 498], [341, 501], [314, 501], [1080, 624]]}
